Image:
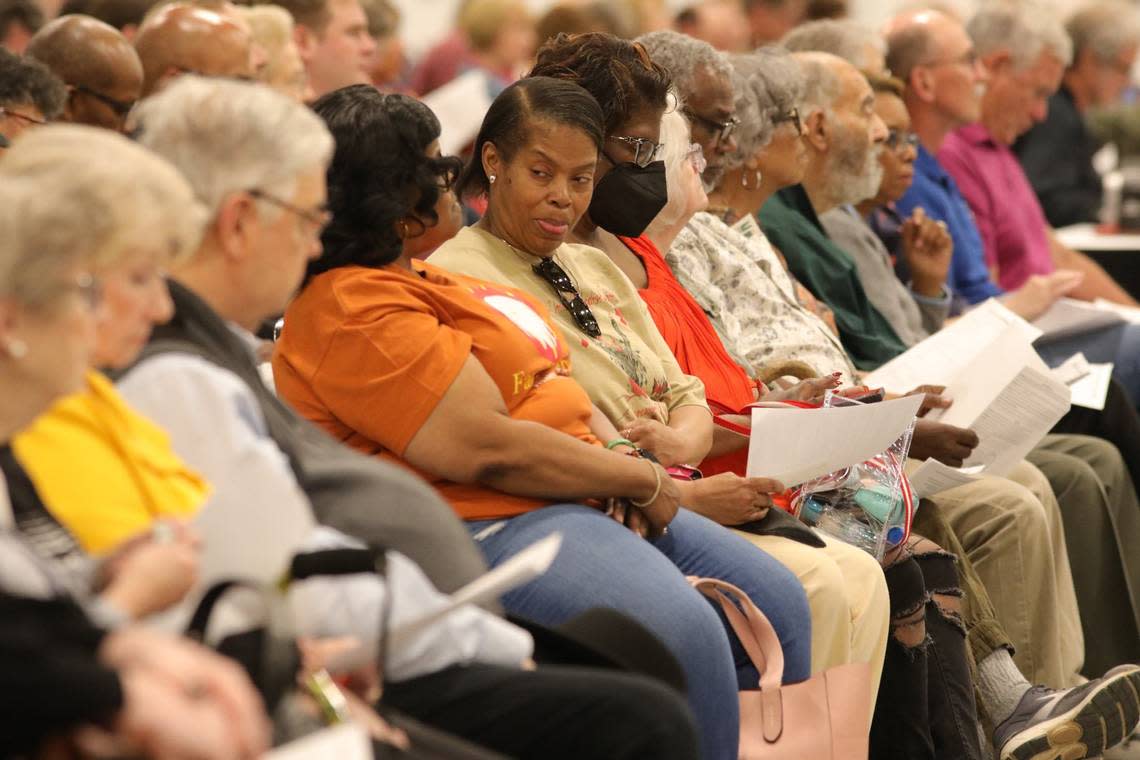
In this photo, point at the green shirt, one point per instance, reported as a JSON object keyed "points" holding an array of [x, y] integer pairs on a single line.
{"points": [[825, 269]]}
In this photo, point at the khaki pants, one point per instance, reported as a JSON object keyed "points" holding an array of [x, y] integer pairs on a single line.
{"points": [[1011, 531], [847, 594]]}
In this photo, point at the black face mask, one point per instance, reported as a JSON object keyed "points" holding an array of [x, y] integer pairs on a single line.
{"points": [[628, 198]]}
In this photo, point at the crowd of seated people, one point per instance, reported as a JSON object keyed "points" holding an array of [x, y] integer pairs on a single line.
{"points": [[217, 539]]}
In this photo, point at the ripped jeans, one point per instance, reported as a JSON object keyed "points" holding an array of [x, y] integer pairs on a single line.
{"points": [[926, 706]]}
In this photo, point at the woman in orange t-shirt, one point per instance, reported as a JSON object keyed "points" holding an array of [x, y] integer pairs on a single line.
{"points": [[469, 384]]}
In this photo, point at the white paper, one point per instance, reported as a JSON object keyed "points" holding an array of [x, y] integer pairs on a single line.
{"points": [[1072, 369], [460, 106], [528, 564], [1128, 313], [1068, 317], [939, 359], [1092, 389], [344, 742], [795, 445], [1007, 396], [932, 477]]}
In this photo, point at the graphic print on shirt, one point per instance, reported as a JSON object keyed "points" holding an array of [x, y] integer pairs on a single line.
{"points": [[522, 316], [624, 355]]}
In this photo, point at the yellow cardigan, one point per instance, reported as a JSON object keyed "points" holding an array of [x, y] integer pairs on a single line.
{"points": [[104, 470]]}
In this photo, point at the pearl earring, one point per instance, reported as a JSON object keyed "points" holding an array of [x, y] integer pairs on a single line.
{"points": [[491, 179], [16, 348]]}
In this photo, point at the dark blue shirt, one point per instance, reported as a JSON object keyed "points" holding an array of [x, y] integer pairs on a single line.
{"points": [[935, 191]]}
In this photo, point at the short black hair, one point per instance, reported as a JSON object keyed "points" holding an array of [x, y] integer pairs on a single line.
{"points": [[378, 175], [25, 12], [509, 119], [25, 81], [618, 73]]}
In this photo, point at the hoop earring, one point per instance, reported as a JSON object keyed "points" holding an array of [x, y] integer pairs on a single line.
{"points": [[16, 348]]}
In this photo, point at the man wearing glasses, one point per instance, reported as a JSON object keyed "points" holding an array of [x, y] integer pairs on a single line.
{"points": [[29, 96], [100, 68], [703, 78]]}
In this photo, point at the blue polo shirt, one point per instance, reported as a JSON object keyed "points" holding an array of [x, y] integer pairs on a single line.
{"points": [[940, 198]]}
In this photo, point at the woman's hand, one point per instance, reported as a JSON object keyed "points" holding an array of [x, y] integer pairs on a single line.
{"points": [[811, 390], [932, 398], [729, 499], [628, 515], [149, 575], [927, 248], [662, 441]]}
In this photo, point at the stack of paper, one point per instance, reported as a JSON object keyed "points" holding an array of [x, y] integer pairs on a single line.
{"points": [[1000, 387], [1070, 317]]}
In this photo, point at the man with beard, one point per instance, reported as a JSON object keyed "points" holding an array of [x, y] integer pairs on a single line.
{"points": [[843, 135]]}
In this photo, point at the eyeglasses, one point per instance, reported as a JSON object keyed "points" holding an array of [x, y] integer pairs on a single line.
{"points": [[721, 129], [557, 278], [899, 140], [792, 116], [120, 107], [319, 217], [21, 116], [645, 151], [696, 156]]}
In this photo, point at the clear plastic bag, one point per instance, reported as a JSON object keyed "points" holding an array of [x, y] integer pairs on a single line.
{"points": [[869, 505]]}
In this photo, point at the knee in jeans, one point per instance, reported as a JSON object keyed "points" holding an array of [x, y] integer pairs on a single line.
{"points": [[908, 603], [910, 630], [940, 573]]}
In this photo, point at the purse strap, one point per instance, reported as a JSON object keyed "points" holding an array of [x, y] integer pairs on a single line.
{"points": [[751, 626]]}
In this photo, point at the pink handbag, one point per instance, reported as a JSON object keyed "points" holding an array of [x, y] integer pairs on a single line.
{"points": [[827, 717]]}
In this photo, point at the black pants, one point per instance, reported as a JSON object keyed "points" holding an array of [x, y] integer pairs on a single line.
{"points": [[554, 712], [1119, 424], [925, 709]]}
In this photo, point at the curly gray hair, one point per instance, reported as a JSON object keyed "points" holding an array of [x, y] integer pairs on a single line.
{"points": [[767, 83], [682, 56]]}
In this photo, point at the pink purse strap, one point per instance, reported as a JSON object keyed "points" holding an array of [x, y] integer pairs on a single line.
{"points": [[751, 626]]}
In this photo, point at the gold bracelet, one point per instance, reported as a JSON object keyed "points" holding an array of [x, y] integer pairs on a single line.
{"points": [[656, 491]]}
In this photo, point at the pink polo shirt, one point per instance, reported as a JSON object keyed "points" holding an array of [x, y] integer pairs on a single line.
{"points": [[1010, 221]]}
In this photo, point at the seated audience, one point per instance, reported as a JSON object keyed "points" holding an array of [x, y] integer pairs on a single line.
{"points": [[1024, 53], [845, 587], [102, 72], [512, 449], [501, 39], [771, 20], [1057, 153], [390, 67], [332, 37], [19, 20], [1102, 479], [81, 685], [182, 38], [30, 96], [272, 29]]}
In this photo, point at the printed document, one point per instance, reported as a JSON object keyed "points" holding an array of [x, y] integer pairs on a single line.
{"points": [[1068, 317], [932, 477], [795, 445]]}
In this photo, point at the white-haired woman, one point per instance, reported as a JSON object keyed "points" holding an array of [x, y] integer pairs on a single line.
{"points": [[73, 680]]}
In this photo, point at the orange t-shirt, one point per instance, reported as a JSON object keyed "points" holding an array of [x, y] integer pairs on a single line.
{"points": [[367, 354]]}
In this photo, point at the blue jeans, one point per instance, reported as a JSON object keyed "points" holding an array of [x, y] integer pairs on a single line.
{"points": [[1119, 344], [603, 564]]}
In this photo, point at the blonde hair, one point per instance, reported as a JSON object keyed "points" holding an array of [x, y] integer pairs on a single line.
{"points": [[481, 20], [73, 194], [677, 137]]}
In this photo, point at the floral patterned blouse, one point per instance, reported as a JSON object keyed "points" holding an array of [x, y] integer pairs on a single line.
{"points": [[750, 298]]}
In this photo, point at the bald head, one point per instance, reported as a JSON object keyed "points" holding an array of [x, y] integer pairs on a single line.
{"points": [[917, 37], [98, 64], [183, 38]]}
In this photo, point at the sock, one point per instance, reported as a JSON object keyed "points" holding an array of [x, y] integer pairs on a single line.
{"points": [[1000, 684]]}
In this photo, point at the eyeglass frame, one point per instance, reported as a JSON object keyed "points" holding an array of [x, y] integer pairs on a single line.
{"points": [[4, 111], [721, 129], [120, 107], [319, 218], [897, 139], [791, 115], [577, 307], [638, 143]]}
